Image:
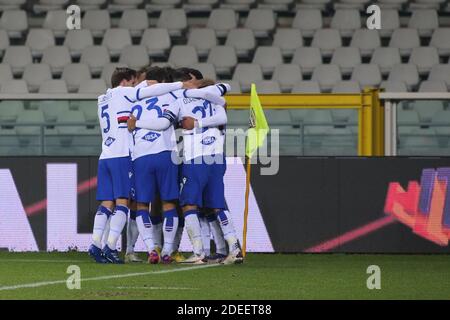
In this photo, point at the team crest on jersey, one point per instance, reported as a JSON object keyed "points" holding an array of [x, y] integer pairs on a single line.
{"points": [[208, 140], [151, 136], [109, 141]]}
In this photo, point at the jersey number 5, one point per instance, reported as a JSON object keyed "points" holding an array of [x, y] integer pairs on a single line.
{"points": [[106, 115]]}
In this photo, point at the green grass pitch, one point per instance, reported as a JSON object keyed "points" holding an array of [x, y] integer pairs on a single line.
{"points": [[262, 276]]}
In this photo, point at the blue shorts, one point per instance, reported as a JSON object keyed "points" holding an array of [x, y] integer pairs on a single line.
{"points": [[155, 174], [202, 185], [113, 178]]}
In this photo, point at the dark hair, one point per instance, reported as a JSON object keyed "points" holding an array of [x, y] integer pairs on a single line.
{"points": [[122, 74], [170, 74], [187, 72], [156, 73]]}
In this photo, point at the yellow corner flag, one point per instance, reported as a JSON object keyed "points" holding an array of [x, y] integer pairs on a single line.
{"points": [[256, 135]]}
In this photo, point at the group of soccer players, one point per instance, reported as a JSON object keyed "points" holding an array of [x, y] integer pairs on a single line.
{"points": [[159, 184]]}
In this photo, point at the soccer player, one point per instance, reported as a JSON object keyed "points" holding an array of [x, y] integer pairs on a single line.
{"points": [[114, 167]]}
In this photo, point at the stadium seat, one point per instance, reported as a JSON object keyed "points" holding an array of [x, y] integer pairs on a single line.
{"points": [[14, 87], [98, 21], [5, 73], [327, 75], [246, 74], [427, 109], [135, 20], [287, 40], [425, 21], [346, 87], [393, 86], [407, 117], [243, 40], [87, 5], [115, 40], [405, 40], [306, 87], [261, 21], [238, 5], [386, 58], [90, 111], [367, 75], [391, 4], [52, 109], [14, 22], [202, 39], [71, 116], [38, 40], [6, 5], [174, 20], [49, 5], [36, 73], [235, 86], [157, 41], [10, 110], [181, 56], [56, 57], [56, 21], [308, 21], [74, 74], [77, 40], [17, 57], [318, 121], [222, 21], [346, 21], [123, 5], [433, 86], [390, 21], [366, 40], [95, 57], [95, 86], [29, 117], [346, 58], [267, 86], [424, 58], [287, 76], [53, 86], [199, 5], [307, 58], [223, 58], [407, 73], [440, 72], [4, 42], [159, 5], [425, 4], [327, 40], [207, 69], [268, 58], [134, 57], [441, 40]]}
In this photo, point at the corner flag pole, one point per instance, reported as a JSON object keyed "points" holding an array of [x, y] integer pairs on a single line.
{"points": [[247, 193]]}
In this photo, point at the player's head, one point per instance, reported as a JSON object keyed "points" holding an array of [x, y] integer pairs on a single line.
{"points": [[124, 77], [188, 73], [170, 74], [140, 75], [156, 74]]}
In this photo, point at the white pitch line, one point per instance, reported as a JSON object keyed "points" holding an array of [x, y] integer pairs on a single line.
{"points": [[116, 276], [157, 288], [42, 260]]}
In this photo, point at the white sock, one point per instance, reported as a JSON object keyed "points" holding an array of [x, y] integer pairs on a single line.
{"points": [[106, 232], [228, 230], [157, 232], [145, 228], [194, 231], [219, 240], [118, 221], [100, 222], [206, 235], [170, 229], [132, 232]]}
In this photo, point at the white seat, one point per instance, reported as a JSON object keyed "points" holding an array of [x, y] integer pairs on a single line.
{"points": [[243, 40], [390, 21], [346, 21], [203, 39], [223, 58], [261, 21], [327, 40], [157, 41], [96, 86], [407, 73], [56, 57], [74, 74], [425, 21], [235, 86], [181, 56], [6, 5], [134, 57], [4, 42], [10, 110], [351, 4], [308, 21], [222, 21], [207, 69], [425, 4], [427, 108], [77, 40], [238, 5], [267, 86], [159, 5], [56, 21], [393, 86], [123, 5], [174, 20], [307, 58], [53, 86], [391, 4], [49, 5], [5, 73], [268, 58], [38, 40], [115, 40], [348, 86], [30, 117], [135, 20], [346, 58], [17, 57], [14, 87], [306, 87], [287, 76], [441, 40], [366, 40], [433, 86], [440, 72], [287, 40], [87, 5], [89, 109], [98, 21], [367, 75], [52, 109], [95, 57], [246, 74], [386, 58], [424, 58], [199, 5], [14, 22], [71, 116], [327, 75], [405, 40], [36, 73]]}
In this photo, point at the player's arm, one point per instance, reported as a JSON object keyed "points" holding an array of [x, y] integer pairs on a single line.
{"points": [[218, 119], [213, 93], [162, 123]]}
